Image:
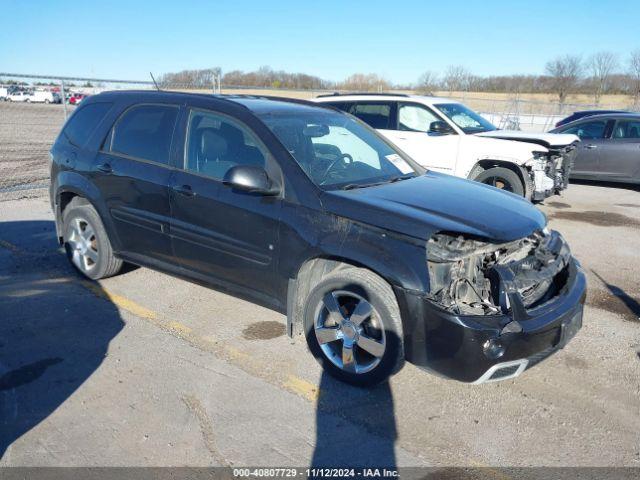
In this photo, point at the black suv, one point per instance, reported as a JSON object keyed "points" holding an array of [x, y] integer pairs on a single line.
{"points": [[308, 211]]}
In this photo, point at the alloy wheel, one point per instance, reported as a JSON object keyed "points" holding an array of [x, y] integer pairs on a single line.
{"points": [[350, 332], [83, 244]]}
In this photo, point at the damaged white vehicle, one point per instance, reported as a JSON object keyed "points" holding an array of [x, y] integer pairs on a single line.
{"points": [[446, 136]]}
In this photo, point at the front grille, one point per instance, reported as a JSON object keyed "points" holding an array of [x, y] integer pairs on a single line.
{"points": [[504, 372]]}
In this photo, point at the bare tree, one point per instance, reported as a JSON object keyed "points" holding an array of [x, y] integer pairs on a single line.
{"points": [[369, 82], [456, 78], [190, 78], [565, 71], [428, 82], [601, 65], [634, 74]]}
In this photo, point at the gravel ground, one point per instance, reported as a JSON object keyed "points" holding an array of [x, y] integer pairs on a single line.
{"points": [[26, 134], [146, 369]]}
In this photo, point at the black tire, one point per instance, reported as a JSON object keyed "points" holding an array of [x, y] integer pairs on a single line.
{"points": [[383, 325], [79, 213], [501, 178]]}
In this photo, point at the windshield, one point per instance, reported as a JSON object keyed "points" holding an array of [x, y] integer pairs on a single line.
{"points": [[465, 118], [336, 151]]}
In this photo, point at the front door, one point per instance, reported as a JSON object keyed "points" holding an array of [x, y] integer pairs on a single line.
{"points": [[132, 172], [216, 231], [431, 150], [592, 134]]}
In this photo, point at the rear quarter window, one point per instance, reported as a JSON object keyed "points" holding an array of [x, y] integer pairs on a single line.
{"points": [[84, 121]]}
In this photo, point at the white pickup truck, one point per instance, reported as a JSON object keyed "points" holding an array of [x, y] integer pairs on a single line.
{"points": [[446, 136]]}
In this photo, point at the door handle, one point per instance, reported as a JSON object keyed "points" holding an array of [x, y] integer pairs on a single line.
{"points": [[185, 190], [105, 167], [590, 146]]}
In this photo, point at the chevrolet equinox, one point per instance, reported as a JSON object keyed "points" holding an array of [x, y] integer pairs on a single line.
{"points": [[307, 210]]}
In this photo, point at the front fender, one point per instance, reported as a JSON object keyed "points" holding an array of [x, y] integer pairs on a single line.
{"points": [[399, 259], [476, 149]]}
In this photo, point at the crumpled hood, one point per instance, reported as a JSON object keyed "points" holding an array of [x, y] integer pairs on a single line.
{"points": [[434, 202], [548, 140]]}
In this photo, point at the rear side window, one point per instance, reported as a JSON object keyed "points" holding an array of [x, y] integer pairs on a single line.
{"points": [[145, 132], [627, 129], [376, 115], [84, 121]]}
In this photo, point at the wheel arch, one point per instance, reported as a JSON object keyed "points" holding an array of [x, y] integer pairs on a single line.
{"points": [[487, 163], [310, 272], [72, 185]]}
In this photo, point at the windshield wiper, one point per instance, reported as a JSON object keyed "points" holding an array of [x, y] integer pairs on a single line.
{"points": [[401, 177], [352, 186]]}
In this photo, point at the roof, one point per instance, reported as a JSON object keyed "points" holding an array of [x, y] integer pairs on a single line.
{"points": [[256, 104], [606, 115], [429, 100]]}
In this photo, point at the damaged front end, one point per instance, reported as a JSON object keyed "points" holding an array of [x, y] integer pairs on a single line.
{"points": [[474, 277], [549, 171]]}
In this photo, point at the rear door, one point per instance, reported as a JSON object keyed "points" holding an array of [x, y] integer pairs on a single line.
{"points": [[621, 156], [593, 135], [377, 114], [218, 232], [132, 171]]}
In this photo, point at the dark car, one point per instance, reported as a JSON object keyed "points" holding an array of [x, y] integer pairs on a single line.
{"points": [[308, 211], [585, 113], [610, 147]]}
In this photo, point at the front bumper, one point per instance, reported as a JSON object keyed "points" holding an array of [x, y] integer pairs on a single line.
{"points": [[550, 175], [454, 346]]}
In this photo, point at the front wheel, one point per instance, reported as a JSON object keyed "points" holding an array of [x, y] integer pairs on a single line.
{"points": [[353, 327], [501, 178]]}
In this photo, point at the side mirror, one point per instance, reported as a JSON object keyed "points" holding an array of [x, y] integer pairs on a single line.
{"points": [[440, 127], [249, 178]]}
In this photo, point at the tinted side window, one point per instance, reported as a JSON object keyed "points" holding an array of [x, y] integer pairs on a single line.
{"points": [[145, 132], [589, 130], [215, 143], [627, 129], [84, 121], [376, 115]]}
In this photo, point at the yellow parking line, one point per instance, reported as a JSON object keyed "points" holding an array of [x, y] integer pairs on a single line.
{"points": [[301, 387], [120, 301], [180, 328]]}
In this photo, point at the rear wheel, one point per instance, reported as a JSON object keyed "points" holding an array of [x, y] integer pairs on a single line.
{"points": [[501, 178], [353, 327], [86, 242]]}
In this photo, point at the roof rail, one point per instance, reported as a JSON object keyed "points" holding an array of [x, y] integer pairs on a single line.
{"points": [[383, 94]]}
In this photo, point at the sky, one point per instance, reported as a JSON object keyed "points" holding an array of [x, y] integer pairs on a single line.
{"points": [[330, 39]]}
